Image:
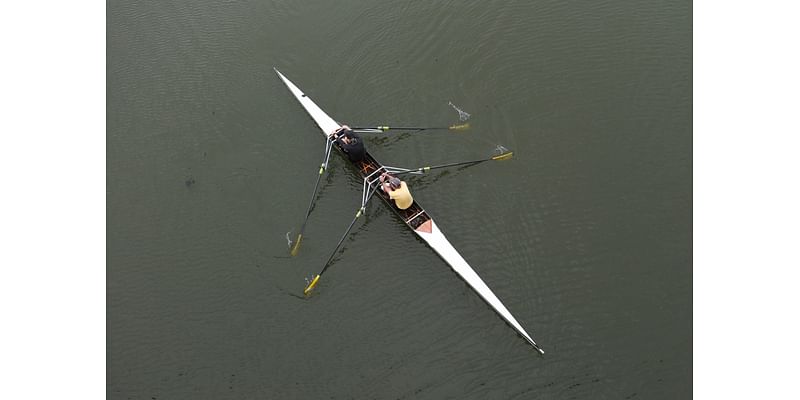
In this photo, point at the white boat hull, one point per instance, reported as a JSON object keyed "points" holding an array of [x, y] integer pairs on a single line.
{"points": [[442, 246]]}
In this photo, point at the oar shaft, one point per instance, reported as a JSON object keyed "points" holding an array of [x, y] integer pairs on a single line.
{"points": [[407, 128], [426, 169], [384, 128], [313, 196], [503, 156], [359, 213], [456, 164], [349, 227], [322, 168], [328, 263]]}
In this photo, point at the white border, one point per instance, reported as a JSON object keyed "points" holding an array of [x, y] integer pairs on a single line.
{"points": [[746, 199], [52, 158], [52, 163]]}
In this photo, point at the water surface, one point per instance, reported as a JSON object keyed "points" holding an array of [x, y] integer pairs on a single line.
{"points": [[585, 234]]}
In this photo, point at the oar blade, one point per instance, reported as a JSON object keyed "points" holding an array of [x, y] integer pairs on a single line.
{"points": [[311, 285], [504, 156], [459, 127], [296, 247]]}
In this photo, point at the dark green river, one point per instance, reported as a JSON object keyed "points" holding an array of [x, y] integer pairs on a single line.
{"points": [[585, 235]]}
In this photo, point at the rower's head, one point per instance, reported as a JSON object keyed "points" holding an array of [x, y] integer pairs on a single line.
{"points": [[394, 182], [348, 136]]}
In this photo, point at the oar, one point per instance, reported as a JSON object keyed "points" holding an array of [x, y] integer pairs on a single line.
{"points": [[328, 263], [501, 157], [378, 129], [359, 213], [322, 168]]}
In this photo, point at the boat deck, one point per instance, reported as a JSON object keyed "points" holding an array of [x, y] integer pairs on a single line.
{"points": [[414, 216]]}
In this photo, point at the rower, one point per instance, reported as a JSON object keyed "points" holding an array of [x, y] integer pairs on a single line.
{"points": [[350, 143], [397, 190]]}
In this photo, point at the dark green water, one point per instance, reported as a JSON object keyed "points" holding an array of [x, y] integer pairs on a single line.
{"points": [[585, 235]]}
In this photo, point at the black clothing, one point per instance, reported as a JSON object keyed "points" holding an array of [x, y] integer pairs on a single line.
{"points": [[355, 149]]}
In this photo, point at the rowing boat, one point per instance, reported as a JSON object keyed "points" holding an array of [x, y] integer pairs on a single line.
{"points": [[415, 217]]}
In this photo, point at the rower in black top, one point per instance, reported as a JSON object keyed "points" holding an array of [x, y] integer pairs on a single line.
{"points": [[350, 142]]}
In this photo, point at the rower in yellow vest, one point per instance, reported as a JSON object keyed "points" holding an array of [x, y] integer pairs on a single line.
{"points": [[397, 190]]}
